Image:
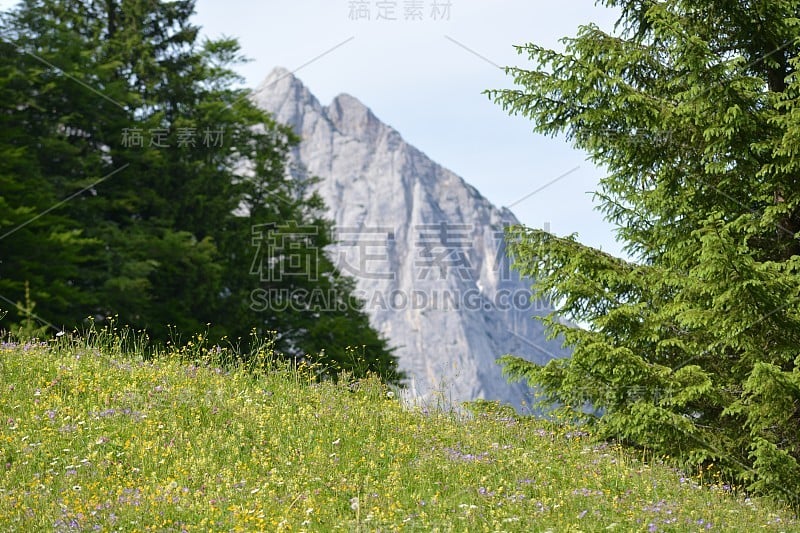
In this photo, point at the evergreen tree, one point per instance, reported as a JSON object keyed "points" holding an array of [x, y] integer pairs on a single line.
{"points": [[690, 350], [168, 167], [43, 251]]}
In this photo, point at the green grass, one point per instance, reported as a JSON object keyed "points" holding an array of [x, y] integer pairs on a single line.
{"points": [[93, 439]]}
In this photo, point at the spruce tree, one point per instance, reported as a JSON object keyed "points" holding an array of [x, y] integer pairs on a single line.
{"points": [[691, 348]]}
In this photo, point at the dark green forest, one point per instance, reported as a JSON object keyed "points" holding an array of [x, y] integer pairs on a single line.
{"points": [[139, 184]]}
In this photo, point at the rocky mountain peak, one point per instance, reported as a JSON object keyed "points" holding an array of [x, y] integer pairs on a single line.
{"points": [[351, 117], [282, 90], [425, 249]]}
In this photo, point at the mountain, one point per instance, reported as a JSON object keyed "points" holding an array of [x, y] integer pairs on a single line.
{"points": [[425, 248]]}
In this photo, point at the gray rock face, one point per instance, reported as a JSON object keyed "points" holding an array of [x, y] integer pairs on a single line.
{"points": [[424, 246]]}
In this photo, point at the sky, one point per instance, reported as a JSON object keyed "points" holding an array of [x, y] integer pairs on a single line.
{"points": [[422, 67], [425, 75]]}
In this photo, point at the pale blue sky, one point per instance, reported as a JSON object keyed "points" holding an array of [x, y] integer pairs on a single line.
{"points": [[419, 77]]}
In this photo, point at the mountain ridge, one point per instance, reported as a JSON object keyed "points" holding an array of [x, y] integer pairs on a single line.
{"points": [[425, 247]]}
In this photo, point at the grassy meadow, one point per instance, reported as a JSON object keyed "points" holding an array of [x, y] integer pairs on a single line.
{"points": [[93, 437]]}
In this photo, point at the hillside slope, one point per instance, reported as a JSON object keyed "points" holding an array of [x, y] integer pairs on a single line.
{"points": [[92, 439]]}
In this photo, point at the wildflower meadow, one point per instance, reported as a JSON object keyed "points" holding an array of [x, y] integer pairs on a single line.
{"points": [[96, 435]]}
